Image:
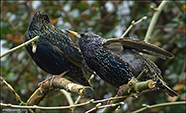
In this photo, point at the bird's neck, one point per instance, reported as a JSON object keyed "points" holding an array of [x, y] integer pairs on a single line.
{"points": [[89, 49], [37, 25]]}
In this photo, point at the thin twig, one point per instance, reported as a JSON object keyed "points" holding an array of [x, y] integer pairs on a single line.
{"points": [[142, 74], [88, 102], [68, 96], [18, 98], [20, 46], [154, 20], [76, 102], [136, 89], [61, 107], [40, 107], [98, 106], [132, 87], [69, 99], [159, 105], [133, 23]]}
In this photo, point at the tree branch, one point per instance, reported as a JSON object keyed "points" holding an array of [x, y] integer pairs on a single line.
{"points": [[159, 105], [98, 106], [37, 96], [20, 46], [133, 23], [18, 98], [74, 108], [133, 87], [61, 107], [69, 99], [68, 96], [59, 83], [154, 20]]}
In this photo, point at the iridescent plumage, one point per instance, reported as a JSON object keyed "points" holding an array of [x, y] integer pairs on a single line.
{"points": [[117, 60], [55, 52]]}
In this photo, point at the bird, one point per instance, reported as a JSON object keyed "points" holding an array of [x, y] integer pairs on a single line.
{"points": [[117, 60], [55, 52]]}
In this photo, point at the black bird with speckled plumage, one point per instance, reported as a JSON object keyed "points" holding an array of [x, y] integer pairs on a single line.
{"points": [[55, 52], [117, 60]]}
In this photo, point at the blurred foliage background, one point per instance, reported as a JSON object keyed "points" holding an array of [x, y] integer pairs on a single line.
{"points": [[108, 19]]}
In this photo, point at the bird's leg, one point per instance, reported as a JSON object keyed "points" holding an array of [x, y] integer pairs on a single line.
{"points": [[41, 83], [120, 89], [108, 102], [52, 77]]}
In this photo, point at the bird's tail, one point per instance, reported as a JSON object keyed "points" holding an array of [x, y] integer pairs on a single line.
{"points": [[167, 89], [159, 79]]}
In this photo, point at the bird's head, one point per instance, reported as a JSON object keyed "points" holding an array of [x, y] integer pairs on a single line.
{"points": [[87, 38], [39, 20], [41, 16], [87, 41]]}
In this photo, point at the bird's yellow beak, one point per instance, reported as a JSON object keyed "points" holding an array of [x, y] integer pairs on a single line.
{"points": [[74, 33]]}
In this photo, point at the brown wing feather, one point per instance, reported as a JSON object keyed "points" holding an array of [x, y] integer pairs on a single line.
{"points": [[138, 45]]}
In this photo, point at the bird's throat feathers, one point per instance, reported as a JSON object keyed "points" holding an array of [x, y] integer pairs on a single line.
{"points": [[88, 46]]}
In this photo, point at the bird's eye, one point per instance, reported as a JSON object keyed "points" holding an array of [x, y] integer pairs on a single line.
{"points": [[82, 35]]}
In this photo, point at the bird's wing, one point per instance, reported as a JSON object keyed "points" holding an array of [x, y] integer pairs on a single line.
{"points": [[118, 44], [65, 46]]}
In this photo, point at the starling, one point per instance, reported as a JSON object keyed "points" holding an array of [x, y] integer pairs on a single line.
{"points": [[116, 60], [54, 52]]}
